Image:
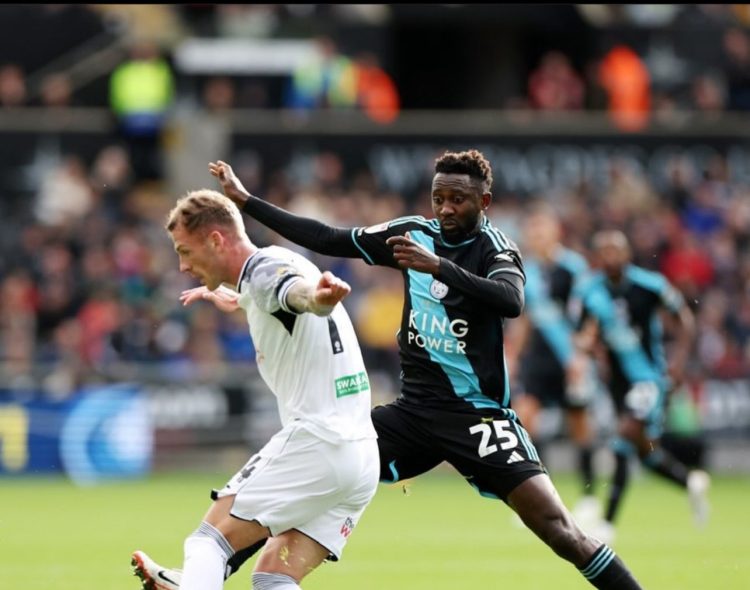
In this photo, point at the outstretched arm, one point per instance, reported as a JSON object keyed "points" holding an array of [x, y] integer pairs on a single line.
{"points": [[302, 296], [306, 232], [319, 299]]}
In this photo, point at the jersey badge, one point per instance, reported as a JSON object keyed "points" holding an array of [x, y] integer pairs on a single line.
{"points": [[438, 290]]}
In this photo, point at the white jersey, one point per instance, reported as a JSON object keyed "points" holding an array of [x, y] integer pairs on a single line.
{"points": [[312, 364]]}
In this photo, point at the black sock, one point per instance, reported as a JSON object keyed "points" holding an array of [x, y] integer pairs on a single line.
{"points": [[235, 562], [606, 571], [586, 468], [664, 464], [619, 483]]}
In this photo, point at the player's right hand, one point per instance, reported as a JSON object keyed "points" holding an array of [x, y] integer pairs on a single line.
{"points": [[331, 289], [229, 182], [222, 298]]}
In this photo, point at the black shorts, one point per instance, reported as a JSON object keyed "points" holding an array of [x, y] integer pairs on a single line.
{"points": [[492, 452], [545, 382]]}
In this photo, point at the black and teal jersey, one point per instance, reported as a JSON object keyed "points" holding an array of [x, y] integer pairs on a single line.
{"points": [[548, 294], [629, 321], [451, 335]]}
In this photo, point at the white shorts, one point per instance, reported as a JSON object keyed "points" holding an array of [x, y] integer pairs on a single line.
{"points": [[299, 481]]}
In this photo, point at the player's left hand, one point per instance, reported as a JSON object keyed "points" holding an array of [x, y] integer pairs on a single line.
{"points": [[222, 298], [409, 254], [331, 289]]}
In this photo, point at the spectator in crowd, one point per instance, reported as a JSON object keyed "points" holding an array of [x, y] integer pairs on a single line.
{"points": [[56, 91], [18, 320], [327, 80], [12, 86], [65, 194], [708, 95], [377, 94], [554, 85], [626, 80], [141, 92], [737, 66]]}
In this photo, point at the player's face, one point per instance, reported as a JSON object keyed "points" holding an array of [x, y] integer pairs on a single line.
{"points": [[458, 204], [612, 257], [196, 256], [540, 233]]}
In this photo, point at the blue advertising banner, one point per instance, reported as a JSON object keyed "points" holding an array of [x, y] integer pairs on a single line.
{"points": [[98, 433]]}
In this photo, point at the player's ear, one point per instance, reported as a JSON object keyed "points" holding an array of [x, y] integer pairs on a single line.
{"points": [[215, 239], [485, 201]]}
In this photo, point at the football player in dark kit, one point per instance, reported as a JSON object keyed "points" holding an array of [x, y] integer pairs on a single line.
{"points": [[462, 278], [621, 309], [551, 371]]}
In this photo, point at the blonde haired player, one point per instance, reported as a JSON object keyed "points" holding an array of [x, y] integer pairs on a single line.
{"points": [[308, 486]]}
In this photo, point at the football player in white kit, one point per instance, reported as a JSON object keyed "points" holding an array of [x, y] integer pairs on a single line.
{"points": [[308, 486]]}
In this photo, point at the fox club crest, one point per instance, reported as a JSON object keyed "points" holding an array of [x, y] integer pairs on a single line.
{"points": [[438, 290]]}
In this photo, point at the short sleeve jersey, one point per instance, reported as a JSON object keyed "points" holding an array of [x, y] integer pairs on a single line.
{"points": [[312, 364], [451, 346]]}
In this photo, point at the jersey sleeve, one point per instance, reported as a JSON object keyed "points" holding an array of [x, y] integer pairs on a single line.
{"points": [[269, 282], [578, 304], [370, 241], [670, 297], [309, 233], [500, 288], [504, 263]]}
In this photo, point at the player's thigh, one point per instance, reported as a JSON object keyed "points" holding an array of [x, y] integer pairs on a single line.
{"points": [[291, 553], [356, 482], [333, 528], [295, 477], [405, 443], [493, 453]]}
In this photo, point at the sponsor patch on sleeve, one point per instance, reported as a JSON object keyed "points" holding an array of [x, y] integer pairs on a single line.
{"points": [[502, 257], [373, 229]]}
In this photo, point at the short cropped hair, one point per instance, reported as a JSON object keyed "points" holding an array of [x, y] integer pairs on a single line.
{"points": [[614, 237], [471, 162], [202, 210]]}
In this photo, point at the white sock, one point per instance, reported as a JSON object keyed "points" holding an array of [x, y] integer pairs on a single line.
{"points": [[206, 555], [264, 581]]}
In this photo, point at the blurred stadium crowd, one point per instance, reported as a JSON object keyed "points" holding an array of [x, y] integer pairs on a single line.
{"points": [[88, 280]]}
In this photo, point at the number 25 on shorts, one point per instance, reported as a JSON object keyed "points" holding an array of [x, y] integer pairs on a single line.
{"points": [[503, 435]]}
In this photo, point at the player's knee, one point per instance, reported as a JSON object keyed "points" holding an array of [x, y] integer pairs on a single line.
{"points": [[207, 539]]}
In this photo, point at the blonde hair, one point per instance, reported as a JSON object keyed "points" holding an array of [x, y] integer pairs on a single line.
{"points": [[204, 209]]}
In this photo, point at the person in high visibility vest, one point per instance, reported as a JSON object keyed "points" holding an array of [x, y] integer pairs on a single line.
{"points": [[141, 90]]}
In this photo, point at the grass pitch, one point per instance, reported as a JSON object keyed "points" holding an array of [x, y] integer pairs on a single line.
{"points": [[434, 533]]}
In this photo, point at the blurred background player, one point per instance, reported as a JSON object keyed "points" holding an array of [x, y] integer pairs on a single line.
{"points": [[621, 309], [551, 372], [308, 486]]}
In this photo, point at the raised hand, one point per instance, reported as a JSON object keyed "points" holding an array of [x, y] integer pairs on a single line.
{"points": [[224, 299], [229, 182]]}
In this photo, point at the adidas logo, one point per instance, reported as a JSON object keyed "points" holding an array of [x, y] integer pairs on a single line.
{"points": [[515, 457]]}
